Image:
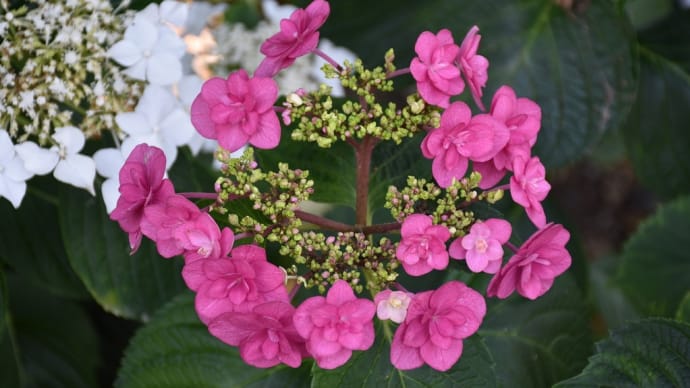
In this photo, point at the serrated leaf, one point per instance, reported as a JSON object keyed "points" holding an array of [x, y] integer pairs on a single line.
{"points": [[537, 343], [648, 353], [131, 286], [655, 265], [176, 350], [30, 242], [579, 64], [372, 368], [48, 342], [655, 134]]}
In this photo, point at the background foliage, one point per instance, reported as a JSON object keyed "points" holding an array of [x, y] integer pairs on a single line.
{"points": [[613, 80]]}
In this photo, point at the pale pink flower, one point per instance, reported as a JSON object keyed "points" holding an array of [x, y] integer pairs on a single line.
{"points": [[522, 117], [535, 265], [335, 325], [234, 284], [392, 305], [461, 138], [434, 69], [436, 323], [162, 220], [238, 110], [422, 247], [474, 67], [201, 238], [266, 336], [482, 248], [298, 36], [528, 187], [141, 185]]}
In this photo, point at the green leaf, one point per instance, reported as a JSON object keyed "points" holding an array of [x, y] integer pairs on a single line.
{"points": [[644, 13], [48, 341], [31, 244], [610, 300], [131, 286], [648, 353], [579, 65], [537, 343], [176, 350], [372, 368], [683, 313], [656, 135], [655, 264]]}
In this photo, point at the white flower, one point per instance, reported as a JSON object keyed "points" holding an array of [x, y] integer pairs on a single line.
{"points": [[13, 175], [339, 54], [168, 12], [200, 12], [63, 159], [188, 88], [150, 53], [276, 12], [158, 120], [109, 161]]}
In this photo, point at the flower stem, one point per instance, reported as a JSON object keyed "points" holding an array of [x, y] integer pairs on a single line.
{"points": [[199, 195], [512, 247], [323, 222], [398, 72], [328, 59], [363, 151], [501, 187]]}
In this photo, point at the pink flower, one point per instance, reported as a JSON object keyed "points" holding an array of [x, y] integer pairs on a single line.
{"points": [[234, 284], [335, 325], [141, 185], [434, 69], [201, 238], [482, 247], [238, 111], [528, 187], [422, 247], [473, 66], [535, 265], [436, 323], [522, 117], [162, 220], [392, 305], [461, 138], [298, 35], [266, 336]]}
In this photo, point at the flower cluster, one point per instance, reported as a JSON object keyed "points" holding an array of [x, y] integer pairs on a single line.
{"points": [[246, 297]]}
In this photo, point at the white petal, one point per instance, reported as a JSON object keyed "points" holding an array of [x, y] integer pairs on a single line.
{"points": [[177, 127], [125, 53], [163, 69], [156, 103], [37, 160], [188, 88], [170, 151], [169, 42], [133, 123], [199, 15], [142, 33], [174, 12], [6, 147], [150, 13], [138, 70], [111, 193], [13, 191], [108, 162], [15, 170], [276, 12], [77, 170], [71, 138]]}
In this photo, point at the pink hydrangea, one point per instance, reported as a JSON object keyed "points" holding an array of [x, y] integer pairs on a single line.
{"points": [[266, 336], [436, 323], [392, 305], [238, 111], [460, 138], [422, 247], [434, 69], [335, 325], [528, 187], [201, 238], [535, 265], [482, 248], [474, 67], [162, 220], [141, 185], [298, 35], [522, 117], [234, 284]]}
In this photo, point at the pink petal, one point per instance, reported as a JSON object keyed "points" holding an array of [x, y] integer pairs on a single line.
{"points": [[441, 359]]}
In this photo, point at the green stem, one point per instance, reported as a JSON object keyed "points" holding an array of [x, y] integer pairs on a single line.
{"points": [[363, 151]]}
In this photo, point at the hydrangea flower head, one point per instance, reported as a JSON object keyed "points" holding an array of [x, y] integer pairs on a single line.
{"points": [[434, 69], [482, 247], [298, 35], [423, 245], [392, 305], [141, 185], [535, 265], [335, 325], [436, 323], [474, 67], [266, 336], [528, 187], [238, 110]]}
